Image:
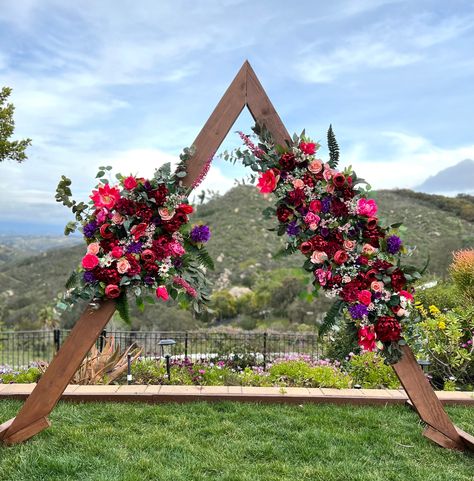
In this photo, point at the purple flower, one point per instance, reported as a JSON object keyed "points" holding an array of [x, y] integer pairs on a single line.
{"points": [[90, 228], [89, 277], [326, 204], [200, 234], [292, 229], [134, 248], [148, 280], [394, 244], [358, 311], [324, 231]]}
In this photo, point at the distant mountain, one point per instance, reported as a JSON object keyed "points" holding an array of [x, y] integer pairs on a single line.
{"points": [[453, 180], [243, 250]]}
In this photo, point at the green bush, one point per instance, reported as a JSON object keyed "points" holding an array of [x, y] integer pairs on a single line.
{"points": [[369, 371], [23, 376]]}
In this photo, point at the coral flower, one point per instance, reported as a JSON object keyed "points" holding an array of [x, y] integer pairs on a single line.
{"points": [[105, 196], [267, 181], [162, 293]]}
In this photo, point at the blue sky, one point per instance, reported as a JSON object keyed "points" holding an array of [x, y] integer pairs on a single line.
{"points": [[130, 84]]}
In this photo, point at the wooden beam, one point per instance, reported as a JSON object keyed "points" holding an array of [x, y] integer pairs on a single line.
{"points": [[424, 400], [58, 375]]}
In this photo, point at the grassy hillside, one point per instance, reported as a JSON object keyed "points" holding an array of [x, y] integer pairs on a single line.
{"points": [[242, 248]]}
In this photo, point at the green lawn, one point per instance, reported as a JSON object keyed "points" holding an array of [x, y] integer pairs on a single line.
{"points": [[233, 442]]}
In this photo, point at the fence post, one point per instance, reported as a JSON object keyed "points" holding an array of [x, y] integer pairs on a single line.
{"points": [[57, 339], [186, 346], [264, 351], [102, 336]]}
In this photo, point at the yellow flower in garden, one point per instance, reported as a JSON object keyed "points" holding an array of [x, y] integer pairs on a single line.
{"points": [[441, 325], [434, 310]]}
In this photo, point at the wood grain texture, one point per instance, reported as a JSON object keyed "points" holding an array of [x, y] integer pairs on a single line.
{"points": [[27, 432], [422, 396], [61, 370]]}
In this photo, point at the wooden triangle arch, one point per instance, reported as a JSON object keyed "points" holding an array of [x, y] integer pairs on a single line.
{"points": [[244, 91]]}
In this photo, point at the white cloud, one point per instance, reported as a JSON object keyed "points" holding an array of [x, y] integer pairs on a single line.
{"points": [[411, 160]]}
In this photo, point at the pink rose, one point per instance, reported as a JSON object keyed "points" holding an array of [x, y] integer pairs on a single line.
{"points": [[406, 295], [162, 293], [130, 183], [367, 207], [267, 181], [315, 166], [368, 250], [318, 257], [340, 257], [93, 248], [349, 245], [117, 252], [311, 218], [323, 276], [123, 266], [165, 213], [377, 286], [112, 291], [298, 184], [89, 261], [365, 297], [367, 338], [117, 218], [328, 172], [315, 206], [176, 248]]}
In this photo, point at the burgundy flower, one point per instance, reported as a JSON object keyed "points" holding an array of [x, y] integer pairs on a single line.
{"points": [[339, 180], [175, 223], [309, 180], [388, 329], [296, 197], [338, 208], [398, 280], [283, 213], [340, 257], [306, 247], [287, 161], [160, 194]]}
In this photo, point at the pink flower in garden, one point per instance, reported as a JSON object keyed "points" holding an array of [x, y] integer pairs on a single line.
{"points": [[162, 293], [349, 244], [93, 248], [176, 248], [298, 184], [117, 218], [89, 261], [406, 295], [367, 207], [323, 276], [105, 196], [328, 172], [123, 266], [308, 148], [112, 291], [365, 297], [311, 218], [102, 215], [267, 181], [368, 250]]}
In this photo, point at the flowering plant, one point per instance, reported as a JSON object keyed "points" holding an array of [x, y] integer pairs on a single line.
{"points": [[139, 240], [327, 216]]}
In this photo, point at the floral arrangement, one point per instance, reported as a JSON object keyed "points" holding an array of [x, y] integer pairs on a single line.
{"points": [[326, 215], [139, 241]]}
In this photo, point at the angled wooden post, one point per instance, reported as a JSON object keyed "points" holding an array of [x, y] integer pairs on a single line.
{"points": [[244, 91]]}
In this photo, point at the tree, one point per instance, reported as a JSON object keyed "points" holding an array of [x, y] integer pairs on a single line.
{"points": [[12, 150]]}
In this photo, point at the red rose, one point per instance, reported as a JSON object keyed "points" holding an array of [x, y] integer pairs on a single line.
{"points": [[287, 161], [160, 194], [283, 213], [117, 252], [340, 257], [365, 297], [309, 180], [372, 223], [398, 280], [366, 336], [112, 291], [306, 247], [148, 255], [315, 206], [349, 180], [89, 261], [138, 230], [296, 197], [370, 275], [130, 183], [105, 232], [175, 223], [186, 208], [267, 181], [363, 261], [339, 179], [388, 329], [308, 148]]}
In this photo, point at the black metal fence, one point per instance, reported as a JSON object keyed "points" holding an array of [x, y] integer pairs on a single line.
{"points": [[20, 348]]}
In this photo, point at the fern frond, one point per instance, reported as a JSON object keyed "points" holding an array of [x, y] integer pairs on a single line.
{"points": [[285, 252], [331, 317], [333, 148], [205, 259], [72, 280]]}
